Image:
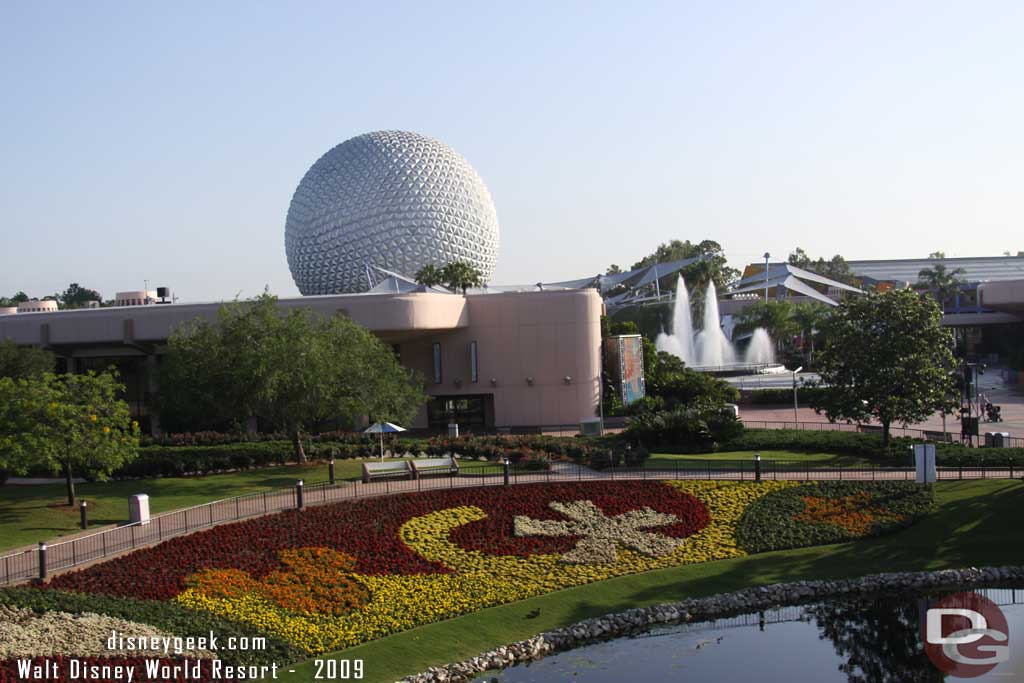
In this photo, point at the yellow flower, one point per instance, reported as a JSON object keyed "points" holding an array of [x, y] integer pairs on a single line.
{"points": [[92, 418], [478, 580], [106, 429]]}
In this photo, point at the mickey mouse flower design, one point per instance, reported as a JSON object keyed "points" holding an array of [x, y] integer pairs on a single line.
{"points": [[600, 535]]}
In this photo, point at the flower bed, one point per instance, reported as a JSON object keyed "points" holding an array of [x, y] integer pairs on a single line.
{"points": [[333, 576], [830, 512]]}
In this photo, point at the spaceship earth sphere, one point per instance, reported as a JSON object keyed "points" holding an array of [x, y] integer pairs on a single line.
{"points": [[392, 199]]}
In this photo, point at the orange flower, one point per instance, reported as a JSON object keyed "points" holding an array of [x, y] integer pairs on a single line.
{"points": [[852, 513], [317, 581]]}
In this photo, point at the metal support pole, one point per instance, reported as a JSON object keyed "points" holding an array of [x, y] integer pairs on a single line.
{"points": [[757, 467], [298, 494], [504, 468], [330, 470], [83, 515], [42, 561]]}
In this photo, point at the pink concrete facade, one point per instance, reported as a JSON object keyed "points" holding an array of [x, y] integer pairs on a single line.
{"points": [[538, 352]]}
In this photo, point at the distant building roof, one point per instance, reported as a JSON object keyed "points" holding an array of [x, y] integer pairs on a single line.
{"points": [[978, 269]]}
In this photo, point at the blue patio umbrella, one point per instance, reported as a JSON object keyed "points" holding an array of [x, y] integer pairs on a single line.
{"points": [[382, 428]]}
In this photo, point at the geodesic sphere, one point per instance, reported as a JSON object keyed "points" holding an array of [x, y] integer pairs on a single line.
{"points": [[392, 199]]}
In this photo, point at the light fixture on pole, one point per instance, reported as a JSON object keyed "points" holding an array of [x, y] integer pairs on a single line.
{"points": [[766, 257], [795, 414]]}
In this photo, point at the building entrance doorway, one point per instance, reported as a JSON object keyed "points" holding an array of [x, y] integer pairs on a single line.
{"points": [[474, 413]]}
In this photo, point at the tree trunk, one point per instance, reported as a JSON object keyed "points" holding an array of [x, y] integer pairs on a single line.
{"points": [[300, 454], [70, 482], [885, 435]]}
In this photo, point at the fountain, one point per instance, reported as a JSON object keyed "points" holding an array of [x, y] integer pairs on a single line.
{"points": [[709, 348]]}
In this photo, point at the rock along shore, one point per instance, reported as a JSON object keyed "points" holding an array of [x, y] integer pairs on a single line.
{"points": [[709, 608]]}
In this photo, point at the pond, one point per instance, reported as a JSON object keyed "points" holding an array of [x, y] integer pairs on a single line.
{"points": [[866, 640]]}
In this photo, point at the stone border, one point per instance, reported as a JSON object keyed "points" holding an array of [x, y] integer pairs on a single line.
{"points": [[707, 609]]}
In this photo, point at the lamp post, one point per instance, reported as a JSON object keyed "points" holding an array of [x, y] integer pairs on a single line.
{"points": [[766, 257], [795, 414]]}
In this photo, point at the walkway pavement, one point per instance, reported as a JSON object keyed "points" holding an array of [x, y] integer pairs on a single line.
{"points": [[1010, 398]]}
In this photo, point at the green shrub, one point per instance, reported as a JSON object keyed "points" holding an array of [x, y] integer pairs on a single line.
{"points": [[836, 512], [781, 396], [691, 430]]}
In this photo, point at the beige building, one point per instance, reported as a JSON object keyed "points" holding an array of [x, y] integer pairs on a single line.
{"points": [[512, 360]]}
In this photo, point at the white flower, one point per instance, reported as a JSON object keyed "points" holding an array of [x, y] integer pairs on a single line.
{"points": [[601, 534]]}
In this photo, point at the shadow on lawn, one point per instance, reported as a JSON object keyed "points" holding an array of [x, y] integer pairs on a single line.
{"points": [[966, 531]]}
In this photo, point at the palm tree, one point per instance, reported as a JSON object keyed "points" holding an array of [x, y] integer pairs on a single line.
{"points": [[942, 284], [808, 316], [430, 275], [774, 316], [461, 275]]}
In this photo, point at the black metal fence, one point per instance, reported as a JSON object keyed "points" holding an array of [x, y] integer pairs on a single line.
{"points": [[47, 558], [925, 434]]}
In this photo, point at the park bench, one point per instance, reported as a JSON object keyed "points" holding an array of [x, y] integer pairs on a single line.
{"points": [[443, 466], [394, 469]]}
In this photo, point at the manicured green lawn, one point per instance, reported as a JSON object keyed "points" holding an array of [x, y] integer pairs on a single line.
{"points": [[33, 513], [698, 460], [975, 524], [39, 512]]}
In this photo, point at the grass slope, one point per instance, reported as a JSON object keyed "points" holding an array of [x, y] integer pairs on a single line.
{"points": [[976, 523]]}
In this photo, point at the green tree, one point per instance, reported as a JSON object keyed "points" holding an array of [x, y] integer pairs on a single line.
{"points": [[835, 268], [292, 368], [19, 362], [809, 317], [459, 275], [73, 424], [941, 283], [76, 296], [713, 266], [885, 356], [430, 276], [14, 300], [776, 317]]}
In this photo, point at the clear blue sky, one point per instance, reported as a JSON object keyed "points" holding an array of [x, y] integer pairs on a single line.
{"points": [[163, 141]]}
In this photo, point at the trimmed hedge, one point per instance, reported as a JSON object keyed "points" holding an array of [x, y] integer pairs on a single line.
{"points": [[536, 452], [840, 443], [167, 616], [845, 511], [780, 396]]}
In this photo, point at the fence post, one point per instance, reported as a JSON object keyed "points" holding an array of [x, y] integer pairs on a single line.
{"points": [[757, 467], [298, 494], [238, 512], [961, 471], [330, 470], [42, 560], [84, 515]]}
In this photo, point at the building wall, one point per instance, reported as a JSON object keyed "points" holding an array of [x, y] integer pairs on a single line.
{"points": [[547, 336]]}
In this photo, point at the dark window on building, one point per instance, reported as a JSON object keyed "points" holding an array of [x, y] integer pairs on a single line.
{"points": [[472, 362], [437, 362]]}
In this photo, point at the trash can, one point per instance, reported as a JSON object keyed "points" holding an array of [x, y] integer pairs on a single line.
{"points": [[138, 509]]}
